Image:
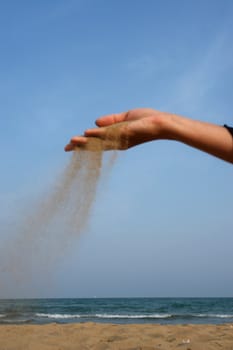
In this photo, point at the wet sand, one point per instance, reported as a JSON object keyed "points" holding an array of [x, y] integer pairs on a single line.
{"points": [[86, 336]]}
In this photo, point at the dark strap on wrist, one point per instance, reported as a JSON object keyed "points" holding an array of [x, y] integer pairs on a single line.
{"points": [[230, 129]]}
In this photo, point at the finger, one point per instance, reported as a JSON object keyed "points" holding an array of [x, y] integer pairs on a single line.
{"points": [[96, 132], [69, 147], [111, 119], [75, 142], [78, 140]]}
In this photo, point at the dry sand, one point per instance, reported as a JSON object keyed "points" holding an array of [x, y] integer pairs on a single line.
{"points": [[86, 336], [51, 224]]}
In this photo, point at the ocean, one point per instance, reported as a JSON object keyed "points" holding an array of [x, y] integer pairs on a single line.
{"points": [[117, 310]]}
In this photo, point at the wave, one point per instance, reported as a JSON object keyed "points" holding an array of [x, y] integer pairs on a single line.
{"points": [[57, 315], [134, 316], [118, 316], [127, 316], [15, 321], [214, 315]]}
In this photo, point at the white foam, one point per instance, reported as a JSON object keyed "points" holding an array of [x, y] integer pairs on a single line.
{"points": [[133, 316], [67, 316], [57, 315], [214, 315]]}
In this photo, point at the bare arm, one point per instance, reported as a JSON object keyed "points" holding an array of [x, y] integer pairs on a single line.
{"points": [[144, 124], [210, 138]]}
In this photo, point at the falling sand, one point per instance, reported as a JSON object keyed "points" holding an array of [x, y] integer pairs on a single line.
{"points": [[51, 225]]}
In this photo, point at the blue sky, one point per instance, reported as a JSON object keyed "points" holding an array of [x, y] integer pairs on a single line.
{"points": [[162, 223]]}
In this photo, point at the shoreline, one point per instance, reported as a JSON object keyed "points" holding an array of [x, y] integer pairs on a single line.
{"points": [[103, 336]]}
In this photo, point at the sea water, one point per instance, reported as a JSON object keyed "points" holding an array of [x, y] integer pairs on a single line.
{"points": [[118, 310]]}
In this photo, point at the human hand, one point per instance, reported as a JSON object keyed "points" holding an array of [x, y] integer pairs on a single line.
{"points": [[123, 130]]}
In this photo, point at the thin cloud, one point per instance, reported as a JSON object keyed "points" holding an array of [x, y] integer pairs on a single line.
{"points": [[192, 89], [147, 65]]}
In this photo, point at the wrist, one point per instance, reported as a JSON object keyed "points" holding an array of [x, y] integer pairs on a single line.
{"points": [[165, 126]]}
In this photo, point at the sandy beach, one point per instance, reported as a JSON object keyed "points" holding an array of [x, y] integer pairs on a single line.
{"points": [[85, 336]]}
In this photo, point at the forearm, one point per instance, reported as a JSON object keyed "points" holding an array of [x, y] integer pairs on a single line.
{"points": [[210, 138]]}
